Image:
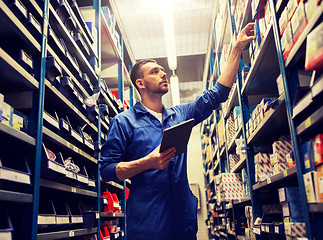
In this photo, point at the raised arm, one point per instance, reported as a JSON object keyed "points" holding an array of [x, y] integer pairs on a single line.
{"points": [[229, 74]]}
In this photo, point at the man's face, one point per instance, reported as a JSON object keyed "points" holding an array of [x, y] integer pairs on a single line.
{"points": [[154, 78]]}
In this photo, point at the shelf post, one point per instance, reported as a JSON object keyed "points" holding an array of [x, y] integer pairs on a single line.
{"points": [[39, 134]]}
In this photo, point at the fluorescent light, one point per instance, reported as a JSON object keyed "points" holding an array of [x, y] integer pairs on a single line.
{"points": [[168, 21], [174, 87]]}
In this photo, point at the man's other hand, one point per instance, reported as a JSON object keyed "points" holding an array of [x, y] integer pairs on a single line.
{"points": [[245, 36]]}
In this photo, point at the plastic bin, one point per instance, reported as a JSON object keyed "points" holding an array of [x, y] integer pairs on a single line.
{"points": [[52, 167], [62, 216], [63, 10], [6, 227], [66, 86], [46, 213], [86, 83], [54, 41], [34, 26], [70, 175], [13, 170], [50, 121], [87, 140], [90, 218], [53, 70], [92, 112], [82, 176], [19, 10], [80, 42], [75, 213], [24, 60]]}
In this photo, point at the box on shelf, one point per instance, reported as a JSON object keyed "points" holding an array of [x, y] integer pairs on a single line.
{"points": [[291, 8], [282, 146], [80, 42], [287, 41], [292, 209], [14, 171], [283, 20], [308, 156], [318, 149], [262, 158], [298, 21], [310, 182], [86, 83], [62, 216], [280, 84], [69, 173], [296, 229], [310, 7], [319, 183], [314, 49], [7, 113], [290, 159], [279, 167], [46, 213], [75, 213], [19, 121], [54, 40], [34, 26]]}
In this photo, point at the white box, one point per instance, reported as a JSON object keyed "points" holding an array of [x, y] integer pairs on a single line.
{"points": [[310, 180], [1, 105]]}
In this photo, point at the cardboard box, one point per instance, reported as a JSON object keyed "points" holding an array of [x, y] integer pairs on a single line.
{"points": [[289, 194], [221, 132], [314, 49], [279, 167], [287, 41], [262, 158], [283, 21], [291, 8], [310, 7], [310, 180], [282, 147], [298, 21], [7, 113], [292, 209], [319, 185], [308, 156], [295, 229], [318, 149]]}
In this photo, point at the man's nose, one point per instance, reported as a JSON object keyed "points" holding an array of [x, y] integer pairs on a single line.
{"points": [[163, 74]]}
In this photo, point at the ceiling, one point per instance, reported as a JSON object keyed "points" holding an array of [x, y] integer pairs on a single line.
{"points": [[142, 24]]}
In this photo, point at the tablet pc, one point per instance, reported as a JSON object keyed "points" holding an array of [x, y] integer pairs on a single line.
{"points": [[177, 136]]}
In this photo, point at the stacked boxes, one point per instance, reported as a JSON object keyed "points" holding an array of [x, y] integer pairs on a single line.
{"points": [[292, 212], [314, 49], [312, 152], [237, 118], [249, 216], [278, 158], [229, 187], [230, 129], [263, 169], [293, 21]]}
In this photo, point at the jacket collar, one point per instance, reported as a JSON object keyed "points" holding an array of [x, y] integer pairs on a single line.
{"points": [[139, 108]]}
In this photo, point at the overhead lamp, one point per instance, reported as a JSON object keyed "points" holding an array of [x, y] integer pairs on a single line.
{"points": [[174, 87], [169, 32]]}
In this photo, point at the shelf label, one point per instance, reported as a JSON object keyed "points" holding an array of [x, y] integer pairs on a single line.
{"points": [[73, 189], [75, 109], [68, 144], [113, 214], [285, 173], [97, 215], [268, 180], [308, 122], [71, 233]]}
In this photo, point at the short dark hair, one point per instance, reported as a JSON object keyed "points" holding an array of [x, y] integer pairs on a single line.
{"points": [[136, 71]]}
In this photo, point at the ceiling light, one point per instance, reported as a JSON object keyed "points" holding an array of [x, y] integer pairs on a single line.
{"points": [[168, 22], [174, 87]]}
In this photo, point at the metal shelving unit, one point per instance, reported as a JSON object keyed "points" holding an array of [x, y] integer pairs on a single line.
{"points": [[300, 120]]}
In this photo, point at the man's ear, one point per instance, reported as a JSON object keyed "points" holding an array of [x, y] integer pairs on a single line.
{"points": [[140, 83]]}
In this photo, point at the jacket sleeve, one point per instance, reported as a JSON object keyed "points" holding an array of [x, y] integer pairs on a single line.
{"points": [[204, 105], [113, 151]]}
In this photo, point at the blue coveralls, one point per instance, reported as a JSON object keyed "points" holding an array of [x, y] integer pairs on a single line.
{"points": [[161, 205]]}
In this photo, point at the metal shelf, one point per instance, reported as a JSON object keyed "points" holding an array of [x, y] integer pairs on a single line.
{"points": [[276, 118], [262, 76], [103, 98], [307, 100], [67, 145], [11, 24], [311, 123], [246, 16], [65, 234], [295, 54], [241, 164], [242, 201], [278, 179], [225, 31], [67, 188], [13, 75], [111, 215], [15, 196], [232, 101], [316, 207], [63, 103], [114, 184], [7, 131], [73, 48]]}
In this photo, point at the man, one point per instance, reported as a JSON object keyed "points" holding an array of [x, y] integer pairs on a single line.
{"points": [[160, 205]]}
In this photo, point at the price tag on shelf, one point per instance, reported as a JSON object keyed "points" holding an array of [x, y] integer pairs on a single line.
{"points": [[68, 144], [97, 215], [75, 109], [285, 173], [113, 214], [308, 122], [71, 234], [73, 189], [268, 180]]}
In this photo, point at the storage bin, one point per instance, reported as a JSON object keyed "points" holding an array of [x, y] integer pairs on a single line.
{"points": [[80, 42], [66, 86], [63, 10], [53, 70], [34, 27], [54, 41], [13, 170], [50, 121], [82, 176], [46, 213], [51, 167], [86, 83], [90, 218], [75, 213], [62, 216], [69, 174], [6, 227], [19, 10], [24, 60]]}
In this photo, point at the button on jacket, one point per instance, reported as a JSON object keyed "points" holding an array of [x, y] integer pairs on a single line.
{"points": [[161, 205]]}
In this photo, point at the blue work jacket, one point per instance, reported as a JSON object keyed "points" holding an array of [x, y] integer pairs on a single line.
{"points": [[161, 205]]}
